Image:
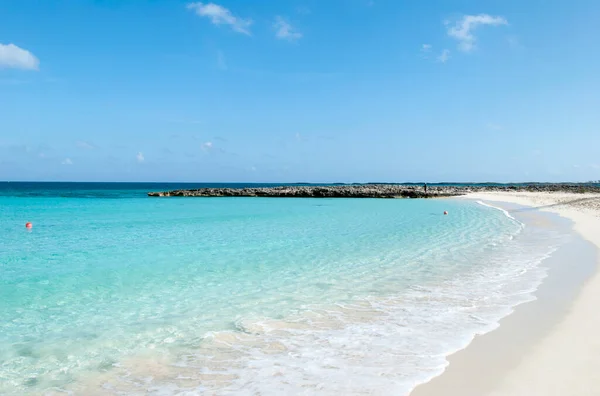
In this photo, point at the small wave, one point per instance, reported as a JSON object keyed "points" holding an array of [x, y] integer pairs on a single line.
{"points": [[503, 211], [357, 347]]}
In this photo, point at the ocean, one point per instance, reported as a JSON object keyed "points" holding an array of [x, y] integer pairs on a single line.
{"points": [[113, 292]]}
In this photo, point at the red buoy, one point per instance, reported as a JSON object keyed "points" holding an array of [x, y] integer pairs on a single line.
{"points": [[28, 225], [445, 212]]}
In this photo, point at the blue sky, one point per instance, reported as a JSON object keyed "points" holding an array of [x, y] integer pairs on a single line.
{"points": [[299, 90]]}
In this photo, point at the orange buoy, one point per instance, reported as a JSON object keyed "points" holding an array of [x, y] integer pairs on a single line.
{"points": [[28, 225], [445, 212]]}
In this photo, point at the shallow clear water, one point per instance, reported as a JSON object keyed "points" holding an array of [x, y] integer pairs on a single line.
{"points": [[136, 295]]}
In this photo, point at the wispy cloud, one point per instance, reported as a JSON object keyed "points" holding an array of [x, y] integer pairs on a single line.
{"points": [[220, 15], [14, 57], [464, 28], [514, 42], [67, 161], [444, 56], [425, 51], [494, 127], [182, 121], [207, 146], [302, 137], [285, 31], [140, 157], [85, 145], [221, 63], [303, 10], [13, 81]]}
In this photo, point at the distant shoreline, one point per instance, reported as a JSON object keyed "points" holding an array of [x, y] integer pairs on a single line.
{"points": [[275, 184]]}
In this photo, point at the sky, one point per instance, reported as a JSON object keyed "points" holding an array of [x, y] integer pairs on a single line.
{"points": [[300, 90]]}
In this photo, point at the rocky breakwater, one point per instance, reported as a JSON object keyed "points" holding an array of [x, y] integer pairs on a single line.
{"points": [[373, 191], [337, 191]]}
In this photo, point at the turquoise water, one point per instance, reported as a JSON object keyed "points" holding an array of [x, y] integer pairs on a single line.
{"points": [[134, 295]]}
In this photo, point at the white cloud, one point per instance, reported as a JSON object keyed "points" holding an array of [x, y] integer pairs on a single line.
{"points": [[67, 161], [285, 31], [206, 146], [14, 57], [219, 15], [84, 145], [426, 48], [140, 157], [444, 56], [463, 29]]}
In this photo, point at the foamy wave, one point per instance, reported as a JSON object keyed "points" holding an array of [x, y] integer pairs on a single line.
{"points": [[503, 211], [372, 345]]}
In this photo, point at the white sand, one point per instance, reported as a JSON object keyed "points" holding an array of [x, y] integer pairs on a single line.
{"points": [[565, 361]]}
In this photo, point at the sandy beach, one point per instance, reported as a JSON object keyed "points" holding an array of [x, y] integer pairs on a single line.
{"points": [[531, 355]]}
